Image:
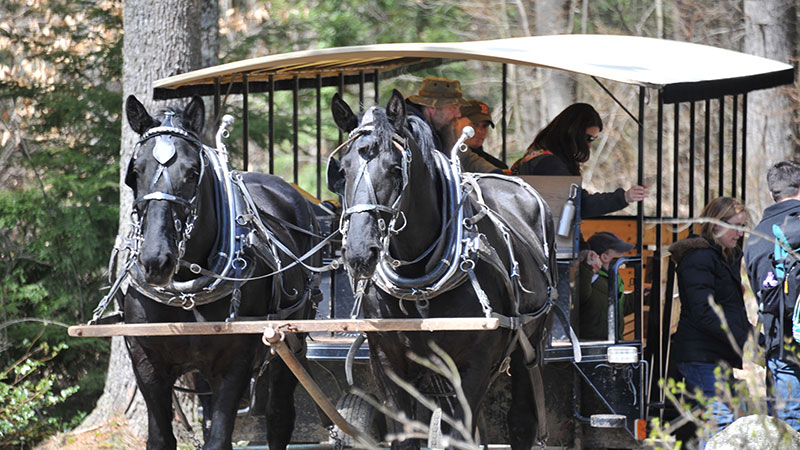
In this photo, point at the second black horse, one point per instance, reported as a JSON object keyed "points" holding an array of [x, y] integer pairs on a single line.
{"points": [[420, 241]]}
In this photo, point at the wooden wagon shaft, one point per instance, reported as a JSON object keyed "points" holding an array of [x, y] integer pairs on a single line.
{"points": [[274, 339], [287, 326]]}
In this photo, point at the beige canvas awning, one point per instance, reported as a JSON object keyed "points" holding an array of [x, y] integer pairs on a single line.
{"points": [[682, 70]]}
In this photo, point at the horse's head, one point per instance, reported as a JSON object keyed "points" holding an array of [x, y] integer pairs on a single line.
{"points": [[371, 176], [165, 173]]}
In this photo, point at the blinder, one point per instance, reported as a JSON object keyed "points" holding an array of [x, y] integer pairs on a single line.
{"points": [[130, 176], [334, 176]]}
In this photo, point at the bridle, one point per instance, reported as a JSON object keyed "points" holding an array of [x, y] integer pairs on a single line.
{"points": [[372, 206], [164, 151]]}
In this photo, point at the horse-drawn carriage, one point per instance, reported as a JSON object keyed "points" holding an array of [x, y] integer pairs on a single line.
{"points": [[598, 393]]}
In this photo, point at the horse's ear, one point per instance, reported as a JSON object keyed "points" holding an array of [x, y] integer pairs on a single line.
{"points": [[195, 114], [396, 110], [335, 177], [138, 117], [342, 114]]}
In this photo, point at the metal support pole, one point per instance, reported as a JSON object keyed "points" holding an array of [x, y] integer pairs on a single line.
{"points": [[271, 124], [503, 125], [274, 339], [295, 129], [640, 174], [245, 122], [734, 142], [676, 163], [655, 301], [659, 191], [217, 102], [319, 136], [721, 149], [691, 157], [707, 161], [640, 220], [744, 146], [341, 93], [361, 79], [376, 83]]}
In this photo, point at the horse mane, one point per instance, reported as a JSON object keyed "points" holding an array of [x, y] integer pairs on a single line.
{"points": [[423, 135]]}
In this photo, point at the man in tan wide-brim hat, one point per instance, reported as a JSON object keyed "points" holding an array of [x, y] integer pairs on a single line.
{"points": [[439, 102]]}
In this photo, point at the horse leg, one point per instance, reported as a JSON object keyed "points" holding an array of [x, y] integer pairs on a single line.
{"points": [[201, 385], [227, 384], [155, 384], [522, 420], [280, 404], [474, 385], [397, 399]]}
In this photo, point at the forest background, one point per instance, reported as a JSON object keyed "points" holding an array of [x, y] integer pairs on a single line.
{"points": [[62, 140]]}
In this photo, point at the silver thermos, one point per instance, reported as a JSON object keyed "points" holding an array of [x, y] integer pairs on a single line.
{"points": [[568, 213]]}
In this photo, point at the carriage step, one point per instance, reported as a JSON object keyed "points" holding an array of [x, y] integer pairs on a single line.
{"points": [[607, 420]]}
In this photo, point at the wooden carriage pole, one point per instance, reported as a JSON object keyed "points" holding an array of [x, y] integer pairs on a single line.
{"points": [[274, 339]]}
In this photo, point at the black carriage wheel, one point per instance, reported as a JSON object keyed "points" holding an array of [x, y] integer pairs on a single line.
{"points": [[361, 415]]}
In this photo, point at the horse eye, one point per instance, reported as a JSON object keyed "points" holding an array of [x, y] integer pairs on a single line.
{"points": [[192, 175]]}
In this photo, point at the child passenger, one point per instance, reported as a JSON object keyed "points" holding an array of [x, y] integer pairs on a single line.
{"points": [[594, 286]]}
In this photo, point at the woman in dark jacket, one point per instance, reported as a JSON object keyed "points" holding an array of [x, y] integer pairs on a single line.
{"points": [[709, 270], [560, 149]]}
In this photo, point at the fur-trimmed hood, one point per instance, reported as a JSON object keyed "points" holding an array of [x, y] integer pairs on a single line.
{"points": [[679, 249]]}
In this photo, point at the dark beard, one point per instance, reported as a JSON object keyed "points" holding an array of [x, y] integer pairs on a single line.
{"points": [[448, 135]]}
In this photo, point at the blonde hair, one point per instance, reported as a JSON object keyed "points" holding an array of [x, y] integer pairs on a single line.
{"points": [[723, 209]]}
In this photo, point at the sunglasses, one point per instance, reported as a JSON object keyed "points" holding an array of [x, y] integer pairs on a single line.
{"points": [[590, 138]]}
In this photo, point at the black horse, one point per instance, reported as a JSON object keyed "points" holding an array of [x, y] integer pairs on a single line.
{"points": [[407, 213], [198, 231]]}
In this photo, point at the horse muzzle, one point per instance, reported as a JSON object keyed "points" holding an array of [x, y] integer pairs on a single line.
{"points": [[158, 268], [361, 260]]}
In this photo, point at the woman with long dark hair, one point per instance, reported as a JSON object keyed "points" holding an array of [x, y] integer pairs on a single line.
{"points": [[560, 149]]}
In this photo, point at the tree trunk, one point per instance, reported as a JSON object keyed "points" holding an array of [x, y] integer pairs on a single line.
{"points": [[771, 128], [558, 88], [161, 39]]}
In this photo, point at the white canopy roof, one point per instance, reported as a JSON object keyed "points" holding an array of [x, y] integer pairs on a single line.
{"points": [[682, 71]]}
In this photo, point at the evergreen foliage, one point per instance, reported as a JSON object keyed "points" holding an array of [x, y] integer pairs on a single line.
{"points": [[28, 389], [61, 103]]}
